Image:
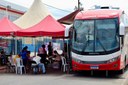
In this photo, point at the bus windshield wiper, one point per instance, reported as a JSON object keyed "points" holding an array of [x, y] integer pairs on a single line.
{"points": [[101, 44]]}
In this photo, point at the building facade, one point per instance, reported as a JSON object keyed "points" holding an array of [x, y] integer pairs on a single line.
{"points": [[13, 12], [10, 10]]}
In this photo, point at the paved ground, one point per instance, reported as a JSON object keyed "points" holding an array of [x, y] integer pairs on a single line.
{"points": [[56, 77]]}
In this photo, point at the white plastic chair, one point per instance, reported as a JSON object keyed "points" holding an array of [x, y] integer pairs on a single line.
{"points": [[19, 66], [64, 64]]}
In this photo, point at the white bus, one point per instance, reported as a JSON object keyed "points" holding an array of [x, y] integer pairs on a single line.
{"points": [[99, 40]]}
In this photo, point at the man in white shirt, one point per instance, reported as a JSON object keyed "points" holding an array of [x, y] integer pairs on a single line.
{"points": [[40, 65]]}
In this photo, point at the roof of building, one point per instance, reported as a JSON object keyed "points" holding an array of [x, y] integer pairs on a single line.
{"points": [[68, 19], [13, 6]]}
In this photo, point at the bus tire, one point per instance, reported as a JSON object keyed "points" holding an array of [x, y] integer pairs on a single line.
{"points": [[123, 69], [125, 62]]}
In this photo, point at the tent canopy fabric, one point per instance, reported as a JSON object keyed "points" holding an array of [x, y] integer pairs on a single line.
{"points": [[47, 27], [68, 19], [8, 28], [34, 15]]}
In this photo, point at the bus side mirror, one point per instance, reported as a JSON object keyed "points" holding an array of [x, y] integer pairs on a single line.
{"points": [[122, 29]]}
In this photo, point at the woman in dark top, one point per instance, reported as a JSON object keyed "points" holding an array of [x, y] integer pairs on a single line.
{"points": [[50, 49]]}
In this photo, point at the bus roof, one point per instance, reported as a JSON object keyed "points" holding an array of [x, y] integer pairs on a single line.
{"points": [[99, 14]]}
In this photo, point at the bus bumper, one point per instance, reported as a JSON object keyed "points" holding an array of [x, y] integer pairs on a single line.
{"points": [[106, 66]]}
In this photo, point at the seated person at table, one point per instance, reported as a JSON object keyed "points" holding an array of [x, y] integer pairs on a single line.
{"points": [[28, 66], [2, 57], [14, 59], [41, 66], [57, 60]]}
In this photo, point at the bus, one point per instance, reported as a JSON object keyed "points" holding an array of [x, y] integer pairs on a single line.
{"points": [[99, 40]]}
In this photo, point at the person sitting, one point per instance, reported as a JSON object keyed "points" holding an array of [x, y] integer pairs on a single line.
{"points": [[29, 61], [57, 60], [41, 66], [14, 58], [3, 57]]}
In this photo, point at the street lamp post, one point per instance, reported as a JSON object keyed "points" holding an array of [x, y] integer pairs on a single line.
{"points": [[78, 4]]}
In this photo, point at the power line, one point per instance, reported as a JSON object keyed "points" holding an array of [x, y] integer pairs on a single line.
{"points": [[57, 8]]}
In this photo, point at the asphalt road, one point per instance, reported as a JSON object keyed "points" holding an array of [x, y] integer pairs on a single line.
{"points": [[82, 78]]}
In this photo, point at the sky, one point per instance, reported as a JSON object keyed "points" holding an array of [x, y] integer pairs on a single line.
{"points": [[69, 5], [56, 3]]}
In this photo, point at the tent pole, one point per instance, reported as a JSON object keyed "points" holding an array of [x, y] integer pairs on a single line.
{"points": [[12, 45], [35, 47], [15, 45], [67, 50], [63, 46]]}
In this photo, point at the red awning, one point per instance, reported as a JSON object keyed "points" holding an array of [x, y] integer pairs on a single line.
{"points": [[47, 27], [7, 28], [69, 18]]}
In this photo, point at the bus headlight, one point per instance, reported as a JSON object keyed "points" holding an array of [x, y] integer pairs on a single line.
{"points": [[77, 60], [113, 60]]}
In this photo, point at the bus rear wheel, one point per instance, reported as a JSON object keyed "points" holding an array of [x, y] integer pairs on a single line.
{"points": [[123, 69]]}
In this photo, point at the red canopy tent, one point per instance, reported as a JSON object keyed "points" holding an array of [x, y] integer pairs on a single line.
{"points": [[47, 27], [7, 28]]}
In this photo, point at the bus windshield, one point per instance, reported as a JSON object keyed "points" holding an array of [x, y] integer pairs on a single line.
{"points": [[99, 35]]}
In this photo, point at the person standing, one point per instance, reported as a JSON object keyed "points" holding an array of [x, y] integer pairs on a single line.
{"points": [[24, 55], [50, 52], [42, 53], [50, 49], [65, 51]]}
